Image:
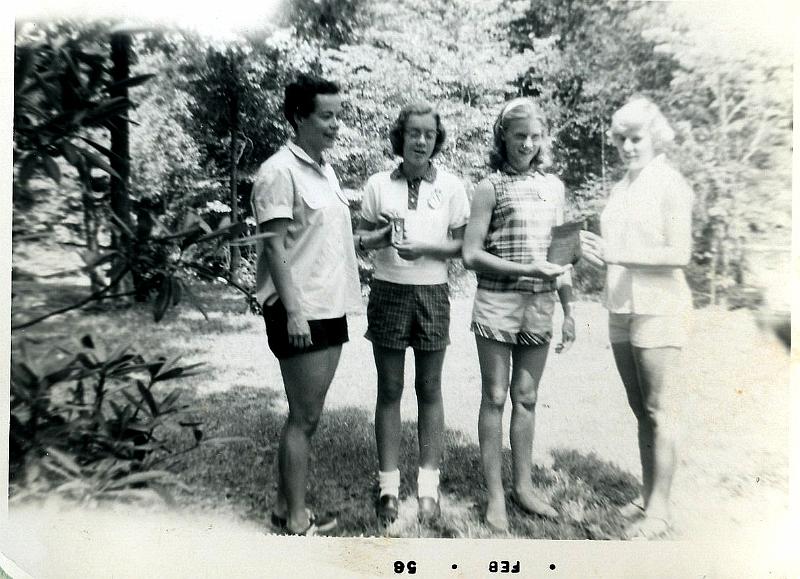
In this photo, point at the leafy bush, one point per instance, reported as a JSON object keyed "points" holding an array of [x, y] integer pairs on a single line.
{"points": [[89, 423]]}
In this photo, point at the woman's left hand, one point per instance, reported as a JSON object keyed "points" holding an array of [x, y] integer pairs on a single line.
{"points": [[410, 250], [567, 335], [593, 249]]}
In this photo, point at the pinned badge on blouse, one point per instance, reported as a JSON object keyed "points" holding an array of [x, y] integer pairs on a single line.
{"points": [[435, 199]]}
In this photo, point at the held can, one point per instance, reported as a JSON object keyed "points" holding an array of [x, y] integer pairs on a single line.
{"points": [[398, 230]]}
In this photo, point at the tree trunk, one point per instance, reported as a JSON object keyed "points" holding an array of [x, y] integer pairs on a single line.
{"points": [[603, 156], [120, 146], [90, 230], [233, 160]]}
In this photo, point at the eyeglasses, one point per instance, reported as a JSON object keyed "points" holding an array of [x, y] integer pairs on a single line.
{"points": [[415, 134]]}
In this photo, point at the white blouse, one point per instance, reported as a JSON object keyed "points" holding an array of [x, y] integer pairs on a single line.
{"points": [[319, 242], [442, 207], [647, 225]]}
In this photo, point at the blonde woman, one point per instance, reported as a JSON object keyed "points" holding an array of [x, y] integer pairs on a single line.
{"points": [[645, 243], [506, 243]]}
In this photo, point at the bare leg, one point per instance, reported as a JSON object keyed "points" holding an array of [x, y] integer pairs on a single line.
{"points": [[628, 372], [528, 365], [494, 358], [306, 379], [428, 366], [656, 376], [390, 365]]}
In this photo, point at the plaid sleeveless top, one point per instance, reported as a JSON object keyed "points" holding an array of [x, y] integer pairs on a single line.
{"points": [[527, 205]]}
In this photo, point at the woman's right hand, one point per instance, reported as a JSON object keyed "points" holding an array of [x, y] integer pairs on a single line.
{"points": [[298, 330], [546, 270], [386, 216], [383, 237]]}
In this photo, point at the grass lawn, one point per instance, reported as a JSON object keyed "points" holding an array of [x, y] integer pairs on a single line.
{"points": [[733, 408]]}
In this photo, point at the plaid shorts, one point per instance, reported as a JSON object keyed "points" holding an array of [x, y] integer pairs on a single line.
{"points": [[399, 316]]}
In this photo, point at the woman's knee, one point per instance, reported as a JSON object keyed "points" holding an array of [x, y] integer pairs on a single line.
{"points": [[494, 396], [657, 417], [306, 421], [525, 396], [429, 390], [390, 390]]}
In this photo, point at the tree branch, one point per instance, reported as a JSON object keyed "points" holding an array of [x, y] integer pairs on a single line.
{"points": [[205, 271], [756, 139]]}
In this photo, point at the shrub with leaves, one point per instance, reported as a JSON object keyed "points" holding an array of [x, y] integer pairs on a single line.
{"points": [[92, 423], [161, 259]]}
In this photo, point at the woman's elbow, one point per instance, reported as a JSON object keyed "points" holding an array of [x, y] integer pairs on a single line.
{"points": [[456, 249], [469, 256]]}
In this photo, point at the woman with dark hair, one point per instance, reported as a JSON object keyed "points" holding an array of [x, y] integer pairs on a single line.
{"points": [[506, 242], [408, 303], [307, 280], [646, 242]]}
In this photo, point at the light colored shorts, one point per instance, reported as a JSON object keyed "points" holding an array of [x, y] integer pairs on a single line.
{"points": [[648, 331], [514, 318]]}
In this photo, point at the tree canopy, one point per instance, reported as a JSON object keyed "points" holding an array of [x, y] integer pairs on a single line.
{"points": [[214, 114]]}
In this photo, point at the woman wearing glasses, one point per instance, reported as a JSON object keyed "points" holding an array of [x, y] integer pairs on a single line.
{"points": [[409, 304]]}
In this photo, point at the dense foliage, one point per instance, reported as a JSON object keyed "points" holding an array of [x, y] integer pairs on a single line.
{"points": [[214, 114], [91, 424], [84, 423]]}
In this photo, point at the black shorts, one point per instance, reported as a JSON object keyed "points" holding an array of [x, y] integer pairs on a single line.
{"points": [[399, 316], [324, 333]]}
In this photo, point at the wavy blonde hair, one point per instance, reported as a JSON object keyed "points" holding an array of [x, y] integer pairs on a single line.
{"points": [[641, 112], [515, 109]]}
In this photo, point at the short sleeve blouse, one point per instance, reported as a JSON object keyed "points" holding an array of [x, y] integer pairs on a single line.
{"points": [[637, 216], [290, 185]]}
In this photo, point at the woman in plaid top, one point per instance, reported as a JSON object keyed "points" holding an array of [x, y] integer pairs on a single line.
{"points": [[506, 243]]}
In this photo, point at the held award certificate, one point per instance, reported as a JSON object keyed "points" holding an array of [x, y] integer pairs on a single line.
{"points": [[565, 245]]}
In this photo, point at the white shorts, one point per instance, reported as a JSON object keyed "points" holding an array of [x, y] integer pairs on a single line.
{"points": [[514, 318], [649, 331]]}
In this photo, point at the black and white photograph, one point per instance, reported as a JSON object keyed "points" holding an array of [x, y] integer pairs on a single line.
{"points": [[387, 288]]}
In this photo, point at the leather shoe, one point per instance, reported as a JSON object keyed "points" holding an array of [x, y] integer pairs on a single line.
{"points": [[428, 509], [321, 524], [387, 508]]}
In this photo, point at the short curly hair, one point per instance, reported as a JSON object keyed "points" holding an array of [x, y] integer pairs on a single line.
{"points": [[398, 130], [518, 108], [641, 112], [299, 96]]}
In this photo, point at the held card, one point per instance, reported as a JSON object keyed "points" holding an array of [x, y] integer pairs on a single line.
{"points": [[565, 244]]}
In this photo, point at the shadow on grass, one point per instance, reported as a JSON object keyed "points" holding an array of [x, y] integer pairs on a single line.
{"points": [[241, 475]]}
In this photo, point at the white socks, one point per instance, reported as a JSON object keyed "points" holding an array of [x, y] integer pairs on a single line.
{"points": [[428, 483], [389, 482]]}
